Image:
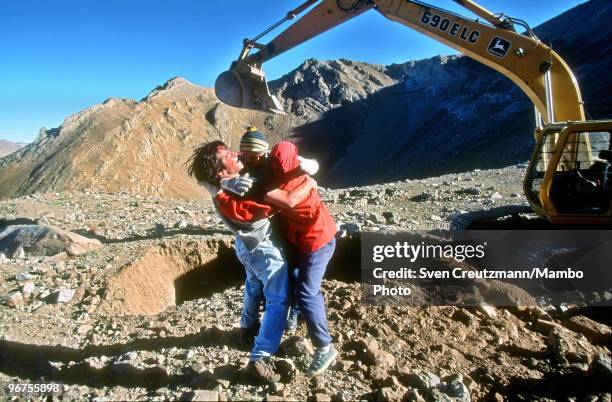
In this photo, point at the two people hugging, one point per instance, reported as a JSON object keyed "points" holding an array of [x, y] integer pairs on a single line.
{"points": [[285, 237]]}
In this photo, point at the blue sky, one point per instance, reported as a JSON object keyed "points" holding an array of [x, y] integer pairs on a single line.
{"points": [[59, 57]]}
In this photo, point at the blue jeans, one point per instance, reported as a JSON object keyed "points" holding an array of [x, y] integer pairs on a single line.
{"points": [[266, 276], [311, 268]]}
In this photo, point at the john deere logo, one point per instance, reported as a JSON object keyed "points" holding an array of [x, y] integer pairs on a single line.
{"points": [[499, 47]]}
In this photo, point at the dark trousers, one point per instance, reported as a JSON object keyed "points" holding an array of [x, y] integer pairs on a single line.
{"points": [[307, 292]]}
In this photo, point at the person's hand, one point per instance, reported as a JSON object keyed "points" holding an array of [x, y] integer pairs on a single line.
{"points": [[238, 185], [308, 166]]}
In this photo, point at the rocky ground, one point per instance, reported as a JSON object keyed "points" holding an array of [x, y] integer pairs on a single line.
{"points": [[152, 314]]}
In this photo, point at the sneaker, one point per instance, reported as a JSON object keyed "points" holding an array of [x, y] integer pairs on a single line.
{"points": [[292, 323], [259, 370], [321, 361]]}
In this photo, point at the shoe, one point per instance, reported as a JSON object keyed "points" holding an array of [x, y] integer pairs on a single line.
{"points": [[261, 371], [321, 361], [292, 323]]}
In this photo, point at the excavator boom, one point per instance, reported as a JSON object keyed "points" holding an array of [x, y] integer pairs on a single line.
{"points": [[566, 160], [524, 59]]}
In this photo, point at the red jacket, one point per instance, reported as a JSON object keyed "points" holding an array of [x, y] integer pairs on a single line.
{"points": [[309, 224]]}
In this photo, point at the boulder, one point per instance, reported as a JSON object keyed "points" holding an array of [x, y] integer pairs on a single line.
{"points": [[40, 240], [566, 346], [601, 367], [455, 388], [421, 380], [592, 330], [370, 353], [391, 218]]}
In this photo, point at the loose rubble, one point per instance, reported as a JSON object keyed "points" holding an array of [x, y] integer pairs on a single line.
{"points": [[152, 314]]}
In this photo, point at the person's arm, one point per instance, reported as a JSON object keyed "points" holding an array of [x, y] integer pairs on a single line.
{"points": [[289, 199], [237, 209], [308, 166], [241, 210]]}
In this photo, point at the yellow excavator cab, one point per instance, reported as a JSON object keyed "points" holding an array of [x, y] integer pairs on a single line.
{"points": [[569, 179]]}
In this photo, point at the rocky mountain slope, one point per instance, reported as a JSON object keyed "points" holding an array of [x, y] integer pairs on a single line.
{"points": [[152, 314], [7, 147], [438, 115], [127, 145], [415, 119]]}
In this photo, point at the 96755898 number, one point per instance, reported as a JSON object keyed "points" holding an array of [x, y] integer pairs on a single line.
{"points": [[45, 388]]}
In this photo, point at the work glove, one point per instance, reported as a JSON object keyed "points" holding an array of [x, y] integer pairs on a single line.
{"points": [[308, 166], [238, 185]]}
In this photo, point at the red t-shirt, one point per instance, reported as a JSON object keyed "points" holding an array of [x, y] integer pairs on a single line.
{"points": [[309, 224]]}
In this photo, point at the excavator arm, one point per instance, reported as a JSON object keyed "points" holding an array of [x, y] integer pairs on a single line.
{"points": [[523, 58], [566, 181]]}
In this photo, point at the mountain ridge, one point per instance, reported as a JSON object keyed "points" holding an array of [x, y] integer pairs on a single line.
{"points": [[450, 113], [425, 117], [126, 145]]}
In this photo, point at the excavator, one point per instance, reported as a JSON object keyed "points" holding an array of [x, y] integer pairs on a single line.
{"points": [[569, 177]]}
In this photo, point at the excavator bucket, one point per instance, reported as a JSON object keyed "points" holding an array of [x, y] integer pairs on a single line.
{"points": [[245, 86]]}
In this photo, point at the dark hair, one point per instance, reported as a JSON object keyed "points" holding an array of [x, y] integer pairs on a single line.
{"points": [[204, 164]]}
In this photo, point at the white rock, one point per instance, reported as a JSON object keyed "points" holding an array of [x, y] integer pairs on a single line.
{"points": [[488, 311], [13, 299], [435, 218], [27, 289], [64, 295], [23, 276]]}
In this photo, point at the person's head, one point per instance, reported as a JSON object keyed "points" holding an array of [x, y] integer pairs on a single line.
{"points": [[212, 162], [253, 146]]}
